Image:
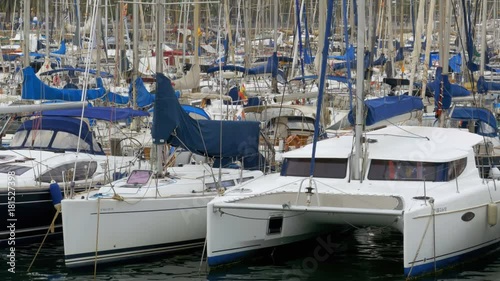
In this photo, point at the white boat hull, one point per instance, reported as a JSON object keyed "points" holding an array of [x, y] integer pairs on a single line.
{"points": [[138, 226]]}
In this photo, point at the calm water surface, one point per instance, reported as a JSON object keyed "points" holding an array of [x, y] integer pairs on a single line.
{"points": [[365, 254]]}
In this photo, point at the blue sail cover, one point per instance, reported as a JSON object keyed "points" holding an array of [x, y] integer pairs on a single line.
{"points": [[56, 53], [111, 114], [270, 67], [483, 86], [34, 89], [190, 110], [475, 67], [172, 125], [229, 67], [449, 90], [486, 123], [349, 54], [342, 65], [144, 97], [380, 60], [455, 63], [381, 109]]}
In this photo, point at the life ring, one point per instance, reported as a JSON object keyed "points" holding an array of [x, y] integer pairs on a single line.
{"points": [[56, 80]]}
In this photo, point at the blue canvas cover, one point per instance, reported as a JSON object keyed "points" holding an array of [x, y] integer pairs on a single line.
{"points": [[144, 97], [349, 54], [71, 71], [486, 123], [380, 109], [484, 87], [111, 114], [64, 124], [172, 125], [34, 89], [449, 90], [455, 63], [116, 98], [190, 109]]}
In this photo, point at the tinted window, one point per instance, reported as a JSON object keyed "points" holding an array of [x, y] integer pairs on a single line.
{"points": [[415, 171], [18, 170], [84, 170], [323, 167]]}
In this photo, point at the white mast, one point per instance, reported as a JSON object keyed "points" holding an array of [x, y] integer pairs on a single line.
{"points": [[483, 39], [26, 33], [390, 31], [417, 45], [428, 43], [360, 70]]}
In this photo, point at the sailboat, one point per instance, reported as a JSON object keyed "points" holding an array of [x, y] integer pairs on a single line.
{"points": [[421, 181], [55, 149], [158, 211]]}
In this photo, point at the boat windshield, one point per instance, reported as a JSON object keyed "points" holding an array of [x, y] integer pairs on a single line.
{"points": [[323, 168], [396, 170]]}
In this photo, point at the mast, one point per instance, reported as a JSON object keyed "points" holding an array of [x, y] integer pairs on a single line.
{"points": [[417, 44], [248, 47], [390, 31], [358, 128], [228, 32], [47, 49], [483, 39], [195, 33], [160, 16], [76, 38], [26, 33], [322, 74], [428, 43], [274, 82], [135, 46]]}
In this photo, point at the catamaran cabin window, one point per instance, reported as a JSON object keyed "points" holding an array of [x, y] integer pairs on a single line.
{"points": [[323, 167], [84, 170], [415, 171]]}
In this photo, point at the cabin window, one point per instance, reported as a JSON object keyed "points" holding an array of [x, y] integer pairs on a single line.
{"points": [[227, 183], [18, 138], [456, 168], [323, 167], [65, 140], [224, 184], [139, 177], [18, 170], [415, 171], [84, 170], [39, 138], [244, 179]]}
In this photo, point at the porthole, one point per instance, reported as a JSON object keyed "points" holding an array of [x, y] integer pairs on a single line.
{"points": [[468, 216]]}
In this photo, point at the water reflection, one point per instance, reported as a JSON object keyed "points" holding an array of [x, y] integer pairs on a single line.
{"points": [[364, 254]]}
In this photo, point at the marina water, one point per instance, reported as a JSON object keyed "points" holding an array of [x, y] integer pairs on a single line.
{"points": [[365, 254]]}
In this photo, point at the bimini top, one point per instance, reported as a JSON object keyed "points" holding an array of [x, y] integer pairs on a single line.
{"points": [[55, 133]]}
